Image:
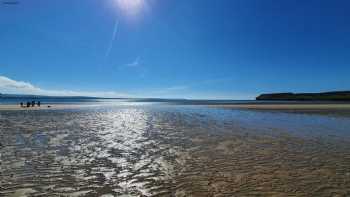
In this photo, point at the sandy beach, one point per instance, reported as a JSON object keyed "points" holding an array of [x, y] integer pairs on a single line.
{"points": [[45, 107], [289, 107], [148, 150]]}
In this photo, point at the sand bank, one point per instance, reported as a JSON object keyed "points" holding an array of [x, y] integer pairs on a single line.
{"points": [[281, 107], [44, 107], [325, 107]]}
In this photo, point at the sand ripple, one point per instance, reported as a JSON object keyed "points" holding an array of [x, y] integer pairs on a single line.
{"points": [[140, 151]]}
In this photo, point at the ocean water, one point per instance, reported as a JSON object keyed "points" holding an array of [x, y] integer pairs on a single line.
{"points": [[162, 149], [81, 100]]}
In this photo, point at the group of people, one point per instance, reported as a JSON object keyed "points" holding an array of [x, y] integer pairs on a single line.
{"points": [[30, 104]]}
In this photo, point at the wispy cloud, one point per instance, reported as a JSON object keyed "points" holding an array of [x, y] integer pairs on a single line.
{"points": [[199, 90], [114, 35], [164, 92], [176, 88], [187, 92], [136, 67], [135, 63], [11, 86]]}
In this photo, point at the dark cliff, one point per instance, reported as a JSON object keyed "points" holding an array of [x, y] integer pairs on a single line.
{"points": [[324, 96]]}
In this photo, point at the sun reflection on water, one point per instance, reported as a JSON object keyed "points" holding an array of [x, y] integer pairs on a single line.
{"points": [[146, 150]]}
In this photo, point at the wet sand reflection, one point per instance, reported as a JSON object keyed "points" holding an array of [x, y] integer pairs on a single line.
{"points": [[146, 151]]}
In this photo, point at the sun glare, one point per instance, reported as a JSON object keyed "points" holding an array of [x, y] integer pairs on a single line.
{"points": [[130, 7]]}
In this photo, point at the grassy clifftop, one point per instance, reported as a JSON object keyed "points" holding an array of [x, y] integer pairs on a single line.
{"points": [[324, 96]]}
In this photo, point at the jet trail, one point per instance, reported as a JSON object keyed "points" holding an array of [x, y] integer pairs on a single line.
{"points": [[115, 31]]}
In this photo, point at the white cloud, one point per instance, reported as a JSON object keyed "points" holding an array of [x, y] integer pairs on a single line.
{"points": [[135, 63], [11, 86]]}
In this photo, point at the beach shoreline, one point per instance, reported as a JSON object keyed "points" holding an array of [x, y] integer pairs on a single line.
{"points": [[12, 107], [286, 106], [253, 106]]}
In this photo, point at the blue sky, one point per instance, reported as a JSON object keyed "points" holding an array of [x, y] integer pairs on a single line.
{"points": [[232, 49]]}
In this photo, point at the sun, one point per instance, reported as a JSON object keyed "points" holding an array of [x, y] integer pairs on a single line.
{"points": [[130, 7]]}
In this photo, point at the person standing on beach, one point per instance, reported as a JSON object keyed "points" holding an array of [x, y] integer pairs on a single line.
{"points": [[21, 104], [33, 103], [39, 103]]}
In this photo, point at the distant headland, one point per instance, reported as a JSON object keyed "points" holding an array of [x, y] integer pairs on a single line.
{"points": [[31, 96], [323, 96]]}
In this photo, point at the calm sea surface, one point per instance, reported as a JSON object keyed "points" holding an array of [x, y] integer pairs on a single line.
{"points": [[161, 149], [67, 100]]}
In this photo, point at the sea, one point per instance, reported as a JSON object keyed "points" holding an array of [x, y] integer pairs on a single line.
{"points": [[87, 100]]}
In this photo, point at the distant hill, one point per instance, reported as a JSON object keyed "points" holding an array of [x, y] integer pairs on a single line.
{"points": [[28, 96], [324, 96], [42, 96]]}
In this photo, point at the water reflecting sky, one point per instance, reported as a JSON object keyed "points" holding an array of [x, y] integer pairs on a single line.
{"points": [[148, 149]]}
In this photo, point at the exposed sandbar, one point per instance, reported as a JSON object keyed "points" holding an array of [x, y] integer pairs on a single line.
{"points": [[325, 107]]}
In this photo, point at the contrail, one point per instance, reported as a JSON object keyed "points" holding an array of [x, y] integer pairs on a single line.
{"points": [[115, 31]]}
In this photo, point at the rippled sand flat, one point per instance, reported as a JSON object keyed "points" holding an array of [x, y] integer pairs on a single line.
{"points": [[172, 151]]}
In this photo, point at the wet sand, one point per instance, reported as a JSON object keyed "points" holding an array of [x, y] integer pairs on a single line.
{"points": [[253, 165], [175, 151], [287, 106], [12, 107], [324, 109], [282, 107]]}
